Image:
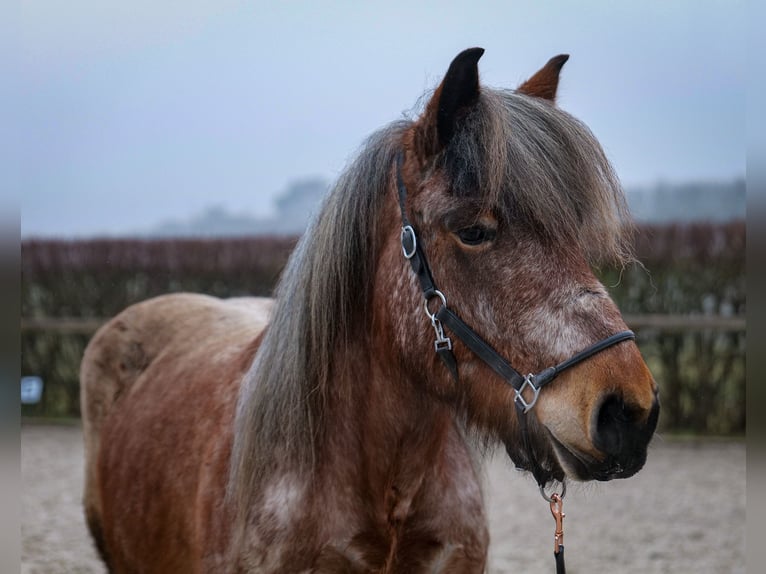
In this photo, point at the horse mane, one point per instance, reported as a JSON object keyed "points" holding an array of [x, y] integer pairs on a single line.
{"points": [[521, 156], [320, 298]]}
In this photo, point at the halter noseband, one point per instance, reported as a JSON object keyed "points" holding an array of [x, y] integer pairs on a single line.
{"points": [[414, 253]]}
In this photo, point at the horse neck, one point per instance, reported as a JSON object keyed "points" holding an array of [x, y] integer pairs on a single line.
{"points": [[380, 421], [388, 432]]}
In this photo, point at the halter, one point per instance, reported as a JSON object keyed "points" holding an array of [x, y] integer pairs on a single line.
{"points": [[413, 252]]}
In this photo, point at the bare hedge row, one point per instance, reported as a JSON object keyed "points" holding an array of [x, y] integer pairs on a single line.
{"points": [[697, 269]]}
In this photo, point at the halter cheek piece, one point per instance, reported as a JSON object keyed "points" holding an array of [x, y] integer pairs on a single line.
{"points": [[444, 316]]}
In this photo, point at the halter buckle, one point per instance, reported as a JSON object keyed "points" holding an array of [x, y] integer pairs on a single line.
{"points": [[409, 242], [528, 382]]}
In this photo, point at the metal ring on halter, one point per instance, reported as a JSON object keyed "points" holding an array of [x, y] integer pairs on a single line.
{"points": [[561, 496], [428, 299]]}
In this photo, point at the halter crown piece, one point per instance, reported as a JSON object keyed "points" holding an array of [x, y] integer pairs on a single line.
{"points": [[531, 383]]}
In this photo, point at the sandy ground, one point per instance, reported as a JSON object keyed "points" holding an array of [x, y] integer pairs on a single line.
{"points": [[684, 513]]}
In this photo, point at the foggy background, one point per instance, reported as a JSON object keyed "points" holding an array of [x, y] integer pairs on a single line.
{"points": [[182, 117], [174, 118]]}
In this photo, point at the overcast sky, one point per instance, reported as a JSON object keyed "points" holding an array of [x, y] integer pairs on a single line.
{"points": [[127, 114]]}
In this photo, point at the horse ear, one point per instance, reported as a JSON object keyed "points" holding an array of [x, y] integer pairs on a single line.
{"points": [[546, 81], [458, 91]]}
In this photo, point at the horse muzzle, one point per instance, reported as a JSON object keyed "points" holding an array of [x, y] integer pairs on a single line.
{"points": [[621, 433]]}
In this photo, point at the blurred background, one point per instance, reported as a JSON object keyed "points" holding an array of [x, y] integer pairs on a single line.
{"points": [[183, 146]]}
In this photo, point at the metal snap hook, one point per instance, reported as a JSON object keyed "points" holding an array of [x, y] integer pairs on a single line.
{"points": [[557, 510]]}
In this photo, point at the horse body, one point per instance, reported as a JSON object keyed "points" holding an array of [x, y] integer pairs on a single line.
{"points": [[185, 356], [321, 432]]}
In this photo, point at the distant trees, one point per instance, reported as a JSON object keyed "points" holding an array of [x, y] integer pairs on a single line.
{"points": [[687, 202], [294, 207], [662, 203]]}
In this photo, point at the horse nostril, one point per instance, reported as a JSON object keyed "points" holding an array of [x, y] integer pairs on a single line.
{"points": [[621, 431], [613, 421]]}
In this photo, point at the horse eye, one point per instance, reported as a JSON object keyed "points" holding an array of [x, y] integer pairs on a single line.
{"points": [[476, 235]]}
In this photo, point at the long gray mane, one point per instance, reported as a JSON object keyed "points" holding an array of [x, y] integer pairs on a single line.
{"points": [[319, 300], [523, 157]]}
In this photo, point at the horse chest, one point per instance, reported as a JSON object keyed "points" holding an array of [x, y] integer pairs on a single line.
{"points": [[425, 526]]}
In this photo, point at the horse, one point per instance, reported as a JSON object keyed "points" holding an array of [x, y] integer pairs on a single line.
{"points": [[342, 426]]}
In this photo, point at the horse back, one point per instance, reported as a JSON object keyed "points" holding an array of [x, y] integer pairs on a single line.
{"points": [[159, 386]]}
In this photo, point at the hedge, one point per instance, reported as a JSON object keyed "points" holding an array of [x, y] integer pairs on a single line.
{"points": [[685, 269]]}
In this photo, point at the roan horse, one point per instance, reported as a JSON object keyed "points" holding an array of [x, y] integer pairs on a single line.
{"points": [[321, 432]]}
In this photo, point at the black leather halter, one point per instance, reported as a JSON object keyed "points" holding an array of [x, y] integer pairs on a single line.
{"points": [[413, 252]]}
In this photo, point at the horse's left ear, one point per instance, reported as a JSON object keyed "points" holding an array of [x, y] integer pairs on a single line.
{"points": [[457, 92], [545, 82]]}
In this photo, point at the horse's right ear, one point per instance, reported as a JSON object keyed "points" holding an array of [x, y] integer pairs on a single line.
{"points": [[457, 92]]}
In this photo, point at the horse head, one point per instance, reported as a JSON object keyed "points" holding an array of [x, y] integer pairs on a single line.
{"points": [[513, 201]]}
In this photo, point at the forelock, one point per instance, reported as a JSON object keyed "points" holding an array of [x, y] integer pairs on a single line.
{"points": [[536, 165]]}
